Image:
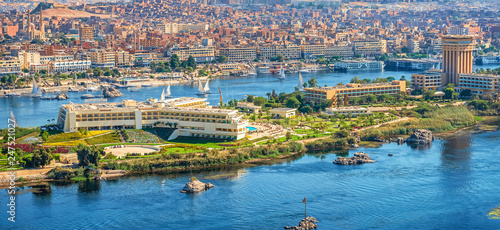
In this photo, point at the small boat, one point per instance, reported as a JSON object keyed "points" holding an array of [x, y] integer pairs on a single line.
{"points": [[48, 98], [282, 74], [57, 91], [87, 96], [203, 90], [168, 93], [134, 90], [306, 71]]}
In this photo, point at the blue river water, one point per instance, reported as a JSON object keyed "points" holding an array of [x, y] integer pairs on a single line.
{"points": [[453, 184], [35, 112]]}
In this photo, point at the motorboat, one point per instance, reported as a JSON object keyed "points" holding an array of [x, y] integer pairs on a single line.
{"points": [[87, 96]]}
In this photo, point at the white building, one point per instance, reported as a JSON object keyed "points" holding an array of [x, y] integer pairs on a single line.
{"points": [[188, 116]]}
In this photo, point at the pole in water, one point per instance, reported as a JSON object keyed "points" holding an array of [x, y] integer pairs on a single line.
{"points": [[305, 207]]}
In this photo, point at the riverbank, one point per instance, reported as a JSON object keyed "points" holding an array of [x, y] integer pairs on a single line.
{"points": [[254, 155]]}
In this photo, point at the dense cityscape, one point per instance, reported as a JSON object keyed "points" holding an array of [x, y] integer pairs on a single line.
{"points": [[107, 98]]}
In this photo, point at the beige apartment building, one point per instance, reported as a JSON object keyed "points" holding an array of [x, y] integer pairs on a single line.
{"points": [[370, 47], [86, 33], [341, 51], [27, 58], [430, 80], [9, 66], [102, 58], [334, 93], [313, 51], [190, 117], [123, 59], [236, 54], [479, 83], [199, 53]]}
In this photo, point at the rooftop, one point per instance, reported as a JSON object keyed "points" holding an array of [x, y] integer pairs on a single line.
{"points": [[171, 104]]}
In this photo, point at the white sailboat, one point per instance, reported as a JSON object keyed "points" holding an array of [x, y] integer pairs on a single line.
{"points": [[301, 83], [12, 118], [168, 93], [162, 97], [203, 90], [76, 85], [282, 74], [36, 92], [13, 93]]}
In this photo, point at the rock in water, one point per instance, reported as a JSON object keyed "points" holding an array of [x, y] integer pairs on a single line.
{"points": [[358, 158], [62, 96], [421, 136], [111, 92], [400, 140], [196, 186], [305, 224]]}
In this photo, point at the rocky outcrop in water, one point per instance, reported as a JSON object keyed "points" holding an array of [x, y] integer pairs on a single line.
{"points": [[421, 136], [111, 92], [195, 186], [358, 158], [305, 224], [62, 96]]}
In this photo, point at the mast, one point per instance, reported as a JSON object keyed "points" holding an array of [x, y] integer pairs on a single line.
{"points": [[207, 88]]}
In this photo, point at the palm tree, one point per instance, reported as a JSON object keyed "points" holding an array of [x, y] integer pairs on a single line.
{"points": [[268, 95]]}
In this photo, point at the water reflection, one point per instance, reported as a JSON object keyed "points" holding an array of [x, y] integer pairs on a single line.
{"points": [[417, 146], [455, 152], [89, 186]]}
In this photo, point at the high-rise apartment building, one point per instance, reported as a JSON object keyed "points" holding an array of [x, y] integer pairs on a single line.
{"points": [[457, 56], [86, 33]]}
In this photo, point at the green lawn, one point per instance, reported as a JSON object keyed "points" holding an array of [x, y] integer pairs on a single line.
{"points": [[107, 138], [208, 143]]}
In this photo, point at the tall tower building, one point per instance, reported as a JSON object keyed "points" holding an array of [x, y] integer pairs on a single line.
{"points": [[41, 25], [457, 56]]}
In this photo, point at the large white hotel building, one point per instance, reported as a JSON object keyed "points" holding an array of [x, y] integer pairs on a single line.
{"points": [[191, 117]]}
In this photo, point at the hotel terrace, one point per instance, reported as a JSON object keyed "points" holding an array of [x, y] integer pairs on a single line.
{"points": [[190, 116], [318, 94]]}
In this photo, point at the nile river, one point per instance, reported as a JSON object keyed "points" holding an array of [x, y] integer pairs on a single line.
{"points": [[451, 185], [36, 112]]}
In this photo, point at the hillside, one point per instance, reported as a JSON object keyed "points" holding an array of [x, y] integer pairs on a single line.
{"points": [[68, 13]]}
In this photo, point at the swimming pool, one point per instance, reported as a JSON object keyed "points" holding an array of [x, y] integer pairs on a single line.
{"points": [[250, 128]]}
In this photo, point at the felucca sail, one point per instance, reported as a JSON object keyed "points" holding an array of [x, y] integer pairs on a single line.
{"points": [[206, 88], [301, 82], [200, 87], [168, 91], [12, 118], [36, 90], [162, 97]]}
